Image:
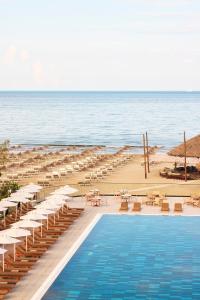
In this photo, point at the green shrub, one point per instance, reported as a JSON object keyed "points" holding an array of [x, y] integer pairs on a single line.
{"points": [[8, 188]]}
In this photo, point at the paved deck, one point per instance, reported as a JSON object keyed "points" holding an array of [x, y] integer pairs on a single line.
{"points": [[27, 287]]}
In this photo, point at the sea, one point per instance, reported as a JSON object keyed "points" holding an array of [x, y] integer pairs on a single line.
{"points": [[98, 118]]}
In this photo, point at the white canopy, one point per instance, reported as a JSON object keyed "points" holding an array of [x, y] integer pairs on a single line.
{"points": [[66, 190], [33, 216], [5, 203], [16, 232], [6, 239], [26, 224], [2, 251]]}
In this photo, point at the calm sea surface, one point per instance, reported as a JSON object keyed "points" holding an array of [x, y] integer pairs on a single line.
{"points": [[109, 118]]}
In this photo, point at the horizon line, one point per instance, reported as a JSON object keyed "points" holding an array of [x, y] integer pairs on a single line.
{"points": [[103, 91]]}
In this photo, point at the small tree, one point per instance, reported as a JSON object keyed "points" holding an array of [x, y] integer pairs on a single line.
{"points": [[4, 152]]}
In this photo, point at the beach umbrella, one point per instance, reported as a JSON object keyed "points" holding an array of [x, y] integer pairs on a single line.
{"points": [[7, 240], [18, 232], [35, 216], [66, 190], [50, 205], [3, 210], [27, 224], [2, 252], [55, 196], [32, 186], [23, 194], [7, 204], [46, 212]]}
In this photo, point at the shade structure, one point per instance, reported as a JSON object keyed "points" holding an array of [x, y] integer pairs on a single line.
{"points": [[60, 196], [45, 212], [35, 216], [19, 199], [3, 210], [18, 232], [7, 240], [2, 252], [49, 205], [27, 224], [192, 148], [32, 188], [66, 190], [6, 203], [23, 194]]}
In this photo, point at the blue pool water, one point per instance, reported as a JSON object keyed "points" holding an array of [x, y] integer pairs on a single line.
{"points": [[134, 257]]}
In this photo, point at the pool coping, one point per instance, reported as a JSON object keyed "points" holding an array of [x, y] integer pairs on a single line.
{"points": [[64, 261]]}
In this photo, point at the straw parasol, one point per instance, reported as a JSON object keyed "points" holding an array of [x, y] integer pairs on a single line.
{"points": [[192, 146], [7, 240], [2, 252]]}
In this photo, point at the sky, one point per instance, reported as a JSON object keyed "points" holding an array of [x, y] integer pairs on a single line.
{"points": [[100, 45]]}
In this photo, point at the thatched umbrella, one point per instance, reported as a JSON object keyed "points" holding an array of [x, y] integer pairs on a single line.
{"points": [[192, 148]]}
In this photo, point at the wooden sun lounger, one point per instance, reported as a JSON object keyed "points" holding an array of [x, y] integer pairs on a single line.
{"points": [[178, 207], [124, 206], [136, 206], [165, 207]]}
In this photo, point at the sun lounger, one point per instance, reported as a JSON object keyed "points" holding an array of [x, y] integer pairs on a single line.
{"points": [[124, 206], [178, 207], [136, 206], [165, 207]]}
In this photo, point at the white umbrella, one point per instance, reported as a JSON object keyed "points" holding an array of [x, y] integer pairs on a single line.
{"points": [[6, 203], [33, 215], [2, 252], [46, 212], [33, 188], [66, 190], [55, 196], [7, 240], [27, 224], [24, 194], [4, 209], [18, 232]]}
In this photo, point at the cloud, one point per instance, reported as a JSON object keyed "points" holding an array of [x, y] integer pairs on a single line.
{"points": [[24, 55], [38, 72], [10, 55]]}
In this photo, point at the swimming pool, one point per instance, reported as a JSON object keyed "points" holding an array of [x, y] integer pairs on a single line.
{"points": [[134, 257]]}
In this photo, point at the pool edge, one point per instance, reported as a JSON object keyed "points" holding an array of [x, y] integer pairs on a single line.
{"points": [[58, 269]]}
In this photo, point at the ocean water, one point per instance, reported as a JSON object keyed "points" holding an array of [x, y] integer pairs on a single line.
{"points": [[104, 118], [129, 257]]}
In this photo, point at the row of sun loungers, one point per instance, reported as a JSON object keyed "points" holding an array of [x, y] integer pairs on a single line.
{"points": [[26, 258], [137, 207]]}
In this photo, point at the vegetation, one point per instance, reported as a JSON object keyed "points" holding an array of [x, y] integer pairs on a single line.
{"points": [[4, 152], [8, 188]]}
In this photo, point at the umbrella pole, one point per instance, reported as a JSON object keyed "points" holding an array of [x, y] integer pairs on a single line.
{"points": [[3, 260], [41, 228], [3, 263], [47, 222], [4, 217], [33, 235], [26, 243], [14, 250], [54, 218]]}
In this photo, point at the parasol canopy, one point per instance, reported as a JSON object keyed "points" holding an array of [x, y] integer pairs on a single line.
{"points": [[192, 148]]}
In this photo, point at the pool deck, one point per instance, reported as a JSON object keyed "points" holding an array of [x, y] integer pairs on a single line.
{"points": [[32, 282]]}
